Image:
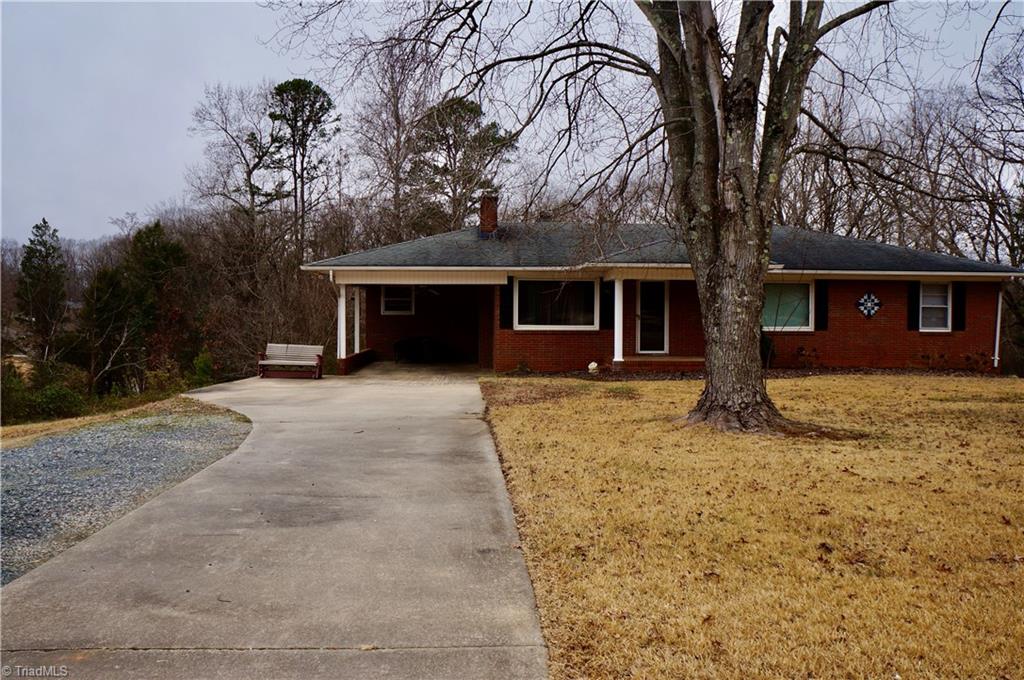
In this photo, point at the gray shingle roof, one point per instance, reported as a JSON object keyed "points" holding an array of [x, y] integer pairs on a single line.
{"points": [[547, 244]]}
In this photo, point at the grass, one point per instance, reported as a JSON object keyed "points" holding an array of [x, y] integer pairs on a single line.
{"points": [[661, 551], [13, 436]]}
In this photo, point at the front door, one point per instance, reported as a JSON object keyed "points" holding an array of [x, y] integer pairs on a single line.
{"points": [[652, 317]]}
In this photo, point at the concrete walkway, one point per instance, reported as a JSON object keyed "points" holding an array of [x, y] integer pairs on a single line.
{"points": [[361, 531]]}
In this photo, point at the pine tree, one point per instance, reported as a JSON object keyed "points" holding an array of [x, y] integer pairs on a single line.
{"points": [[41, 294], [132, 314], [456, 155], [302, 109]]}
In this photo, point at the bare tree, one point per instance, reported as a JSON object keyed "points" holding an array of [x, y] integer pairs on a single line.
{"points": [[992, 164], [943, 171], [398, 89], [245, 240], [10, 274], [242, 140]]}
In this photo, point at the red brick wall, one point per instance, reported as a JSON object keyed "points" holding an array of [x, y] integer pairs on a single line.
{"points": [[685, 337], [853, 341], [467, 317], [556, 351], [547, 351], [353, 362]]}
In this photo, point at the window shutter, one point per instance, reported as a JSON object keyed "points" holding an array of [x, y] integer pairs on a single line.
{"points": [[505, 305], [959, 306], [821, 305], [607, 298], [914, 306]]}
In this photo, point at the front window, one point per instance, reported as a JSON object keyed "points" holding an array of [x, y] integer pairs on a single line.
{"points": [[556, 305], [787, 307], [397, 300], [935, 307]]}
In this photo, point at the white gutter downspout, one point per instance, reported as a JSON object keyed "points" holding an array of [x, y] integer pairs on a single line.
{"points": [[999, 320]]}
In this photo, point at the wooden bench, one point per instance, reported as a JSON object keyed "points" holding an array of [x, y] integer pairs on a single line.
{"points": [[290, 361]]}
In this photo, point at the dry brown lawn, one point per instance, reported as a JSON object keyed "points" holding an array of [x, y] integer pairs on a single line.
{"points": [[661, 551]]}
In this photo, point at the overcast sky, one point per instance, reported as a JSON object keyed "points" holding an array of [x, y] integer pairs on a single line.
{"points": [[97, 98]]}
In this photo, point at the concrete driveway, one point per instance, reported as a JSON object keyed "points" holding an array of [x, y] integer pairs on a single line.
{"points": [[361, 531]]}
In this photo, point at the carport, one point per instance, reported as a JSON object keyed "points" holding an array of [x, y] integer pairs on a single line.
{"points": [[415, 317]]}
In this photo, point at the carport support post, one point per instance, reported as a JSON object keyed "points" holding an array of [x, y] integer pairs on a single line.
{"points": [[342, 328], [617, 355], [356, 322]]}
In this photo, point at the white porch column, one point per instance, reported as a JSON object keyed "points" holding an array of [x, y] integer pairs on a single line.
{"points": [[357, 345], [617, 355], [999, 323], [342, 322]]}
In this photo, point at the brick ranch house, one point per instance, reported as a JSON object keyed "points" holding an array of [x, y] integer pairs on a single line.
{"points": [[555, 297]]}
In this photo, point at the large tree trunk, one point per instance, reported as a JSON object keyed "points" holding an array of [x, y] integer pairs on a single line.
{"points": [[722, 200], [730, 284]]}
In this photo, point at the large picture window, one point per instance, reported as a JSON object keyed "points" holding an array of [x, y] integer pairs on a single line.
{"points": [[787, 307], [397, 300], [556, 305], [935, 306]]}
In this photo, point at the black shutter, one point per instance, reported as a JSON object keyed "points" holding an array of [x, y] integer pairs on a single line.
{"points": [[959, 306], [821, 305], [607, 298], [914, 306], [505, 305]]}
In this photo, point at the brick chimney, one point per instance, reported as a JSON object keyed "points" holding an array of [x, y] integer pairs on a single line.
{"points": [[488, 215]]}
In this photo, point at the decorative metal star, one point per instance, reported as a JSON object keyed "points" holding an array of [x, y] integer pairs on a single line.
{"points": [[869, 304]]}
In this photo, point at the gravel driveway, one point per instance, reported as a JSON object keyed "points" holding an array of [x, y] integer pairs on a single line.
{"points": [[64, 487]]}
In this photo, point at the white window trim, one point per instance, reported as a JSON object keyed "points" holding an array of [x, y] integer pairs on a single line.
{"points": [[948, 328], [809, 328], [516, 326], [665, 343], [385, 312]]}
